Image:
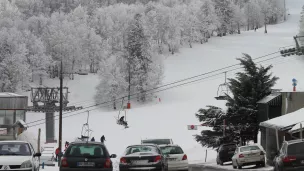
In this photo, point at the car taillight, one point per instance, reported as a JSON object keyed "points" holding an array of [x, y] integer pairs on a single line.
{"points": [[64, 162], [157, 158], [107, 163], [123, 160], [241, 156], [184, 157], [262, 153], [289, 159]]}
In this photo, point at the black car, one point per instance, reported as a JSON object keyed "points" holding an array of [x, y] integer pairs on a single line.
{"points": [[144, 156], [290, 157], [225, 153], [88, 156]]}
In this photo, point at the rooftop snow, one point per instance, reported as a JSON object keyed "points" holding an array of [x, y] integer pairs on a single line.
{"points": [[7, 94], [286, 120]]}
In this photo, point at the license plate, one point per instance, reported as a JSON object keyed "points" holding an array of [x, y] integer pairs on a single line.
{"points": [[139, 162], [172, 159], [86, 164]]}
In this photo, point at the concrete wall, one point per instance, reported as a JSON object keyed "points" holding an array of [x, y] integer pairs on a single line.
{"points": [[292, 101]]}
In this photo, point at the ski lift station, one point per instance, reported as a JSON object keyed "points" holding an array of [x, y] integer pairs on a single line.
{"points": [[12, 110]]}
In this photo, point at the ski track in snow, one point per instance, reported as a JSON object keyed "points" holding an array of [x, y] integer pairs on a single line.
{"points": [[170, 117]]}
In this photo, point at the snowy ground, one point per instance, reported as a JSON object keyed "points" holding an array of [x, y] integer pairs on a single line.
{"points": [[170, 117]]}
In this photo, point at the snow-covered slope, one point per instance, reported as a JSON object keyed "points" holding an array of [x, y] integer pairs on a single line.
{"points": [[170, 117]]}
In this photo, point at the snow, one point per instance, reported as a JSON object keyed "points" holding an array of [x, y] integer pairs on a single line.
{"points": [[170, 117], [285, 120]]}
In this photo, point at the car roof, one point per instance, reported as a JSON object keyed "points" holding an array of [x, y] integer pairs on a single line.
{"points": [[87, 142], [154, 145], [13, 142], [169, 145], [294, 141]]}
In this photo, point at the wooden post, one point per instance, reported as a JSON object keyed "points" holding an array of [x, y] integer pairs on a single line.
{"points": [[39, 133], [301, 131], [277, 139], [206, 156]]}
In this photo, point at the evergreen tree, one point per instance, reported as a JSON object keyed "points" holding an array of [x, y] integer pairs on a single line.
{"points": [[140, 59], [247, 89]]}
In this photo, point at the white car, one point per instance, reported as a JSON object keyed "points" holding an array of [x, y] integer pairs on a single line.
{"points": [[177, 159], [18, 155], [248, 155]]}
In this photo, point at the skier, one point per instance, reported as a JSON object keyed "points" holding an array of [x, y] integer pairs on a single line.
{"points": [[121, 120], [57, 151], [102, 139], [93, 139]]}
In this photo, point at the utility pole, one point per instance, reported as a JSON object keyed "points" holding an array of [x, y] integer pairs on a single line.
{"points": [[285, 10], [60, 114]]}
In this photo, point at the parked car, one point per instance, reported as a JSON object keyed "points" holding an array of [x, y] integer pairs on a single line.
{"points": [[177, 159], [248, 155], [157, 141], [290, 157], [19, 155], [143, 157], [225, 153], [83, 155]]}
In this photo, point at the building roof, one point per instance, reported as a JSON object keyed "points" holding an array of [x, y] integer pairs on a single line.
{"points": [[8, 94], [286, 121], [271, 99]]}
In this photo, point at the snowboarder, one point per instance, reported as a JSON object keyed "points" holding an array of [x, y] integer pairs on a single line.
{"points": [[102, 139], [93, 139], [57, 151]]}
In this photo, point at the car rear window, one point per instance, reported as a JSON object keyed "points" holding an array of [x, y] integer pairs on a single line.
{"points": [[249, 148], [141, 149], [297, 148], [172, 150], [15, 148], [86, 150], [157, 141]]}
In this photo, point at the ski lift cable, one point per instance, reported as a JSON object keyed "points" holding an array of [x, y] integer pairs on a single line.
{"points": [[163, 89], [169, 84], [157, 91], [154, 91]]}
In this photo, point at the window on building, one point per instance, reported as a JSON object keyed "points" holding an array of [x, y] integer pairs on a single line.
{"points": [[20, 115], [2, 117], [9, 117]]}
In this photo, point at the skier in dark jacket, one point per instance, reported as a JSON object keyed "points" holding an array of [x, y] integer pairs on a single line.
{"points": [[93, 139], [102, 139], [122, 119]]}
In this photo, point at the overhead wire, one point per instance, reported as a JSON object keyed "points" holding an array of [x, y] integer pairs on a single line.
{"points": [[193, 81]]}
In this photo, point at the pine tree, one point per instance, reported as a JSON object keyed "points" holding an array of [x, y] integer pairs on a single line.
{"points": [[139, 57], [249, 86]]}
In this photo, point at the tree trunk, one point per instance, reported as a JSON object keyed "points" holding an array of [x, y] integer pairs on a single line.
{"points": [[239, 31], [265, 28]]}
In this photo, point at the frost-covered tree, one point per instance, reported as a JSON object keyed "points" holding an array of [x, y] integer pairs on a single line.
{"points": [[249, 86], [140, 60]]}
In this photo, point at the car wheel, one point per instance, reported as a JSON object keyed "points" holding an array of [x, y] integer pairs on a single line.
{"points": [[234, 167], [238, 166], [221, 162], [263, 164]]}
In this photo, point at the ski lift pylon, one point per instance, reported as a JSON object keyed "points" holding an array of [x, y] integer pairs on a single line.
{"points": [[223, 90]]}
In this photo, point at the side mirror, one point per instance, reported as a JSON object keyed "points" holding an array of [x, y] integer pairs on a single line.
{"points": [[113, 156], [37, 155]]}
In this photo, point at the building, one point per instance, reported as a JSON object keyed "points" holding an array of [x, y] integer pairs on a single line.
{"points": [[12, 109], [278, 113]]}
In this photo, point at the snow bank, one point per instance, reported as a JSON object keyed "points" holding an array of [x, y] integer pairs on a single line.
{"points": [[213, 166], [29, 137]]}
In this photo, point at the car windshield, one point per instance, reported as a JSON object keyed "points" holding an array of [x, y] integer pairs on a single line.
{"points": [[230, 146], [297, 148], [157, 141], [140, 149], [14, 148], [249, 148], [171, 150], [86, 150]]}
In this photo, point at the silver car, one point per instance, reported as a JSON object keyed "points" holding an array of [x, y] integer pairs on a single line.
{"points": [[248, 155]]}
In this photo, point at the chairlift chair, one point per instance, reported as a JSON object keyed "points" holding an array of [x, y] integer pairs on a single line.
{"points": [[223, 90], [124, 122]]}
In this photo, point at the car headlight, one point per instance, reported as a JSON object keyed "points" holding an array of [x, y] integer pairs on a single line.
{"points": [[26, 164]]}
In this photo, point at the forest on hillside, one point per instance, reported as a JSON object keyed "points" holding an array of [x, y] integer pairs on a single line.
{"points": [[125, 41]]}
